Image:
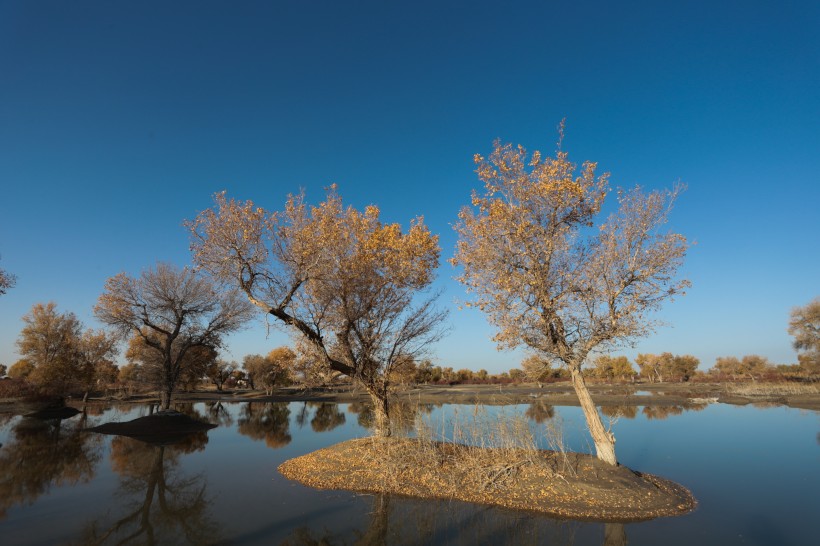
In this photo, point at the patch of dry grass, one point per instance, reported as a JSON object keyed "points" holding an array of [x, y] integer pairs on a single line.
{"points": [[772, 389], [478, 450]]}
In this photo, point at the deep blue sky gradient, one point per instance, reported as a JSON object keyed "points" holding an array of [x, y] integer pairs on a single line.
{"points": [[119, 120]]}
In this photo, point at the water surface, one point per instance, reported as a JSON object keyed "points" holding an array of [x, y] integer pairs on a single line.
{"points": [[755, 472]]}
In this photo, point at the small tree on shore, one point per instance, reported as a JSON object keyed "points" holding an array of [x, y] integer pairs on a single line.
{"points": [[218, 371], [62, 356], [21, 369], [7, 281], [346, 284], [50, 341], [170, 312], [537, 368], [272, 370], [610, 368], [549, 278], [804, 326], [750, 366]]}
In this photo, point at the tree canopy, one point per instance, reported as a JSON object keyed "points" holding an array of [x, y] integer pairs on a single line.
{"points": [[343, 281], [804, 326], [62, 356], [7, 281], [551, 274], [171, 312], [271, 370]]}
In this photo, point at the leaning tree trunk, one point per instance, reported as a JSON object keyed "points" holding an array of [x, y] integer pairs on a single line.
{"points": [[604, 441]]}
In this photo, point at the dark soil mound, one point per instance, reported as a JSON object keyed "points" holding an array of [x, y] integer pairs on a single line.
{"points": [[53, 412], [162, 428], [568, 485]]}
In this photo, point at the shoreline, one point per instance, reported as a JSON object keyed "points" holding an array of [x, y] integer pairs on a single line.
{"points": [[693, 395]]}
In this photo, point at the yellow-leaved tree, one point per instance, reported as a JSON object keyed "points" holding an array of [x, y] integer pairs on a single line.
{"points": [[551, 275], [347, 285]]}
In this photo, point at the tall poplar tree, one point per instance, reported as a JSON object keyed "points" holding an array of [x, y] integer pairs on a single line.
{"points": [[555, 277]]}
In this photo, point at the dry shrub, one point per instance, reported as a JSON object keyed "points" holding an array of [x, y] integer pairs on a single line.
{"points": [[16, 388], [773, 389], [477, 450]]}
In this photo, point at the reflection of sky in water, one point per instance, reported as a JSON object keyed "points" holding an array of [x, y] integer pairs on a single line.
{"points": [[755, 472]]}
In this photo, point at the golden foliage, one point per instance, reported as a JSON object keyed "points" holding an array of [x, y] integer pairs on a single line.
{"points": [[804, 325], [60, 354], [342, 280], [546, 278]]}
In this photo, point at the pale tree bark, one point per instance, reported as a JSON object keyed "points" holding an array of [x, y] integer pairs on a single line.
{"points": [[603, 439], [381, 414]]}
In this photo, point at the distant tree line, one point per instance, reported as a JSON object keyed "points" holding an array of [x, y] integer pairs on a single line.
{"points": [[60, 357]]}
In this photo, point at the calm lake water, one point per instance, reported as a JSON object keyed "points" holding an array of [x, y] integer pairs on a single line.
{"points": [[755, 472]]}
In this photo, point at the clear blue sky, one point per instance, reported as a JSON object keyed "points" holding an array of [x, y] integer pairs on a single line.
{"points": [[118, 120]]}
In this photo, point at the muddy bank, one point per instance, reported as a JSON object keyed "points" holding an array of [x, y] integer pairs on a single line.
{"points": [[568, 485], [162, 428], [556, 394]]}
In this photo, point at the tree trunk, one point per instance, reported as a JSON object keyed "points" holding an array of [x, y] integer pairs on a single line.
{"points": [[381, 414], [165, 398], [604, 441]]}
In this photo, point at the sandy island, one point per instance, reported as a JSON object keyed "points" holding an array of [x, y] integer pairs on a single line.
{"points": [[573, 485]]}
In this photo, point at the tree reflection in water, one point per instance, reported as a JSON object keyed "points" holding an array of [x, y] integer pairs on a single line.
{"points": [[219, 414], [45, 453], [540, 412], [161, 504], [616, 412], [664, 412], [403, 521], [327, 416], [614, 534], [403, 414], [269, 421]]}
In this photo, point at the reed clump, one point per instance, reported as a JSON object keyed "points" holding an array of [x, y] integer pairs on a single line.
{"points": [[478, 450], [773, 389]]}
